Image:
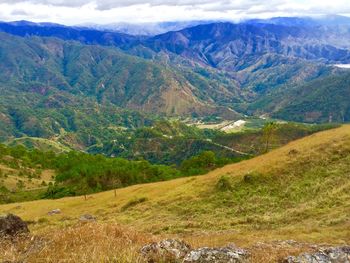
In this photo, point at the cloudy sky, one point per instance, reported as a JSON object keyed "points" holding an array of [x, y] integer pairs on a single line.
{"points": [[72, 12]]}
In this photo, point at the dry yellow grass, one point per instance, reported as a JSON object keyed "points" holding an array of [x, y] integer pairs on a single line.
{"points": [[13, 177], [81, 243], [95, 242], [303, 193]]}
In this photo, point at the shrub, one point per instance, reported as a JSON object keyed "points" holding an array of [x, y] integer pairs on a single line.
{"points": [[224, 184]]}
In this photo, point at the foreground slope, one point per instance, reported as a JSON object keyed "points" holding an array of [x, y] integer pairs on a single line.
{"points": [[300, 191]]}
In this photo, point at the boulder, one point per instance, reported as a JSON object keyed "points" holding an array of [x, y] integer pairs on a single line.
{"points": [[54, 212], [87, 218], [169, 250], [324, 255], [230, 254], [12, 225]]}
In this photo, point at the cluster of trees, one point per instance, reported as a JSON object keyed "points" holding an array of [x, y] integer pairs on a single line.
{"points": [[79, 173], [205, 162]]}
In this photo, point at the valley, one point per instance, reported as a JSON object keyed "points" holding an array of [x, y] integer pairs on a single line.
{"points": [[193, 134]]}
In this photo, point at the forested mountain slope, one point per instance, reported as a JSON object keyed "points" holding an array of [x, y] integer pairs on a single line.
{"points": [[322, 100]]}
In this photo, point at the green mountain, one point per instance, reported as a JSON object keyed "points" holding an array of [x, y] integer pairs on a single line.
{"points": [[55, 88], [45, 66], [321, 100], [216, 69]]}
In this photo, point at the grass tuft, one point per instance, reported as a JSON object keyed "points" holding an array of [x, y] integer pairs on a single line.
{"points": [[133, 203]]}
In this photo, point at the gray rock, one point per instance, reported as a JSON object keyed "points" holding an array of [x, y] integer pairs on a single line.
{"points": [[12, 225], [87, 218], [228, 254], [54, 212], [169, 250], [324, 255]]}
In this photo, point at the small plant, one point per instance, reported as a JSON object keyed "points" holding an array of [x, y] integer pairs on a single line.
{"points": [[224, 184], [248, 178], [20, 184]]}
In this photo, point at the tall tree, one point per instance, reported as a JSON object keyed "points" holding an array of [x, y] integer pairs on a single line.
{"points": [[268, 134]]}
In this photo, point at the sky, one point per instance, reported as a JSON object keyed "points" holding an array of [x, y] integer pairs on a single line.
{"points": [[76, 12]]}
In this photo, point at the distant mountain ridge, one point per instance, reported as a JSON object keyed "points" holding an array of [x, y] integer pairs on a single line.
{"points": [[223, 44], [324, 20], [84, 35], [216, 68], [146, 29]]}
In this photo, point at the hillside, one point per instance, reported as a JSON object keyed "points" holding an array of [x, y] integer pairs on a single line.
{"points": [[321, 100], [209, 69], [78, 96], [42, 67], [213, 42], [300, 191]]}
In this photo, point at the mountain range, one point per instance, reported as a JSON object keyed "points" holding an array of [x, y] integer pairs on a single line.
{"points": [[281, 67], [146, 29], [217, 133]]}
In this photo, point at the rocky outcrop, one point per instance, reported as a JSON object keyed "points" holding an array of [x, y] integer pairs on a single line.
{"points": [[324, 255], [230, 254], [172, 250], [87, 218], [12, 225], [54, 212], [169, 250]]}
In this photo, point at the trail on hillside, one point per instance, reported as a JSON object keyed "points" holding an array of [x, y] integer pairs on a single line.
{"points": [[230, 149]]}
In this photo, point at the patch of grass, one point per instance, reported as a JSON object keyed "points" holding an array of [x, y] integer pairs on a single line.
{"points": [[43, 220], [84, 243], [133, 203]]}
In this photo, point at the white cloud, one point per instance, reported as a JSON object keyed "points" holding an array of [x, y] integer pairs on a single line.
{"points": [[109, 11]]}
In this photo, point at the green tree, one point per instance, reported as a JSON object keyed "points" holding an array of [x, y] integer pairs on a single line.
{"points": [[268, 134]]}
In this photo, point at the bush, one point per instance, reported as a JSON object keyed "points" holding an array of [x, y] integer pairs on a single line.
{"points": [[224, 184]]}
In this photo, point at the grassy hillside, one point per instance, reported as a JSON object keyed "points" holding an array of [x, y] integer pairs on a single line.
{"points": [[39, 143], [23, 170], [20, 182], [300, 191]]}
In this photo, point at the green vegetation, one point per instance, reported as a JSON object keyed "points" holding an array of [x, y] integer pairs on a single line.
{"points": [[271, 136], [81, 174], [165, 142], [184, 150], [78, 173], [269, 131], [204, 162], [80, 94], [321, 101], [299, 191]]}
